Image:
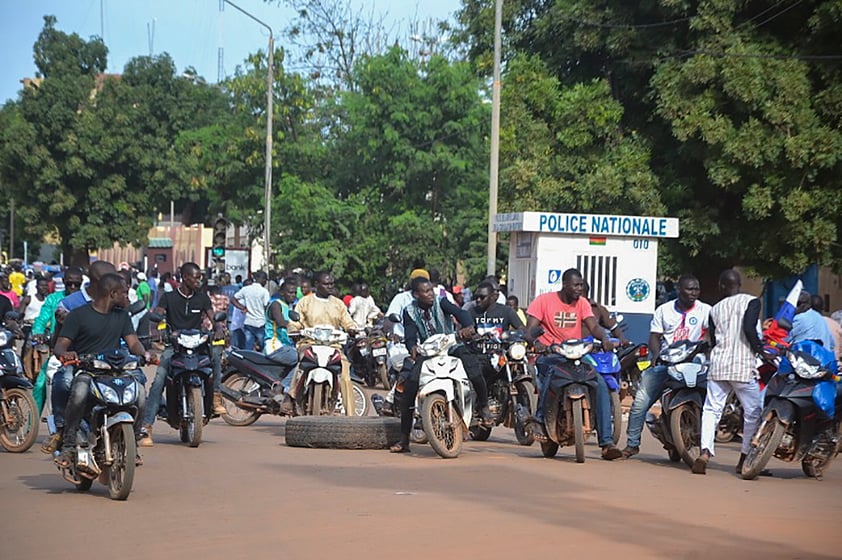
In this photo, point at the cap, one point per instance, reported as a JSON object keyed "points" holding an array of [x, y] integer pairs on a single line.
{"points": [[141, 277], [457, 290], [419, 272]]}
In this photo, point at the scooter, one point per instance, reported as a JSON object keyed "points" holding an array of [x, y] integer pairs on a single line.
{"points": [[793, 426], [321, 367], [18, 411], [608, 365], [679, 427]]}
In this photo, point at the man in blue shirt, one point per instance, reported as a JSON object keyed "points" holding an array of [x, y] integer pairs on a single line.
{"points": [[809, 324]]}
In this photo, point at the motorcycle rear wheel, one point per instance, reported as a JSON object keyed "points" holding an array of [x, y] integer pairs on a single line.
{"points": [[20, 406], [191, 432], [579, 430], [123, 452], [445, 438], [617, 416], [480, 433], [360, 402], [768, 437], [84, 483], [549, 449], [686, 430], [316, 400], [383, 374], [528, 400], [236, 416]]}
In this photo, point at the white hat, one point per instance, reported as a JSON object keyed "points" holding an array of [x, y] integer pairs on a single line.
{"points": [[141, 277]]}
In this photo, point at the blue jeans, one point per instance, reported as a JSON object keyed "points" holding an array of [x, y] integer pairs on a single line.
{"points": [[61, 394], [216, 361], [153, 399], [604, 431], [238, 338], [652, 383], [254, 338]]}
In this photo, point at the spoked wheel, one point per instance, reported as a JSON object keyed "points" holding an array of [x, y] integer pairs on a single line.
{"points": [[18, 420], [579, 430], [686, 429], [549, 449], [527, 404], [383, 374], [123, 452], [360, 402], [768, 439], [617, 416], [445, 437], [191, 432], [234, 415]]}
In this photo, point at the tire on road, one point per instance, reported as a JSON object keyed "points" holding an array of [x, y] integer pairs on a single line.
{"points": [[343, 432]]}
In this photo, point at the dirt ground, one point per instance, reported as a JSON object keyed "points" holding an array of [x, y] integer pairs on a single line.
{"points": [[243, 493]]}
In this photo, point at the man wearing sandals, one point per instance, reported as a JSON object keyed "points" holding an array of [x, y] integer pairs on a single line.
{"points": [[91, 329]]}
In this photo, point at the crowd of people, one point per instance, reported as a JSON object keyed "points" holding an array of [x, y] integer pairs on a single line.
{"points": [[85, 311]]}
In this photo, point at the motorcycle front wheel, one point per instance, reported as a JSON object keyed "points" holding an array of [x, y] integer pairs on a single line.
{"points": [[19, 419], [527, 401], [686, 430], [191, 430], [768, 439], [234, 415], [445, 437], [579, 430], [123, 453]]}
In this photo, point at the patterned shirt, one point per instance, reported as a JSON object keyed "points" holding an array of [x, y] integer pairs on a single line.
{"points": [[732, 358]]}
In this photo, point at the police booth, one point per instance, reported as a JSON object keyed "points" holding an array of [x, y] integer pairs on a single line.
{"points": [[617, 256]]}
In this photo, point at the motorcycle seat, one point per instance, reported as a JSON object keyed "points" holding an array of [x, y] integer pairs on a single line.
{"points": [[256, 358]]}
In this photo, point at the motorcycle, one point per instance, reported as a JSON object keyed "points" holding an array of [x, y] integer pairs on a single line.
{"points": [[633, 360], [321, 367], [253, 384], [608, 365], [368, 356], [189, 384], [793, 427], [105, 443], [445, 398], [678, 427], [512, 397], [569, 409], [731, 423], [18, 412]]}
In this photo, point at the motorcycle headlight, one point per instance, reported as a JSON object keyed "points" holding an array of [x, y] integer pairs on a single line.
{"points": [[130, 366], [191, 340], [806, 366], [517, 351], [675, 354], [101, 364], [5, 337], [109, 395], [574, 349], [130, 393]]}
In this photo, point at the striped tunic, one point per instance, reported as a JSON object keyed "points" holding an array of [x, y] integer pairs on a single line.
{"points": [[732, 359]]}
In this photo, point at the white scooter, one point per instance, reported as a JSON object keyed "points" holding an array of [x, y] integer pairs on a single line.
{"points": [[445, 398], [321, 367]]}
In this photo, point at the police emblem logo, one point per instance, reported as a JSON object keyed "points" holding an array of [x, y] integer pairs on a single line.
{"points": [[637, 289]]}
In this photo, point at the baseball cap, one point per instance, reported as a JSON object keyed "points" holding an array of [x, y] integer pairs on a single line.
{"points": [[141, 277], [419, 272]]}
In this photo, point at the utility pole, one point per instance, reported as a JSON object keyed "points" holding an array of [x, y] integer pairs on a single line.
{"points": [[495, 139], [270, 80], [12, 228]]}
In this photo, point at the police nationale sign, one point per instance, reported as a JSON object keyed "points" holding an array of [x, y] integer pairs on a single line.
{"points": [[588, 224]]}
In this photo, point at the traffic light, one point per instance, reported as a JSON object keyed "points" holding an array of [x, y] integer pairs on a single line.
{"points": [[220, 229]]}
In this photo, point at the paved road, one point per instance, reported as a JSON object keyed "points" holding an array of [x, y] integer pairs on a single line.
{"points": [[243, 493]]}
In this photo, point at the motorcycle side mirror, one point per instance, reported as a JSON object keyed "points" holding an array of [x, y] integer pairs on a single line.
{"points": [[293, 315], [394, 318], [220, 317], [156, 317]]}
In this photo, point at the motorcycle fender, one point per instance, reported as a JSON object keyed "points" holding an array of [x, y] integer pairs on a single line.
{"points": [[576, 391], [15, 382], [320, 375], [444, 386], [119, 418], [685, 396], [783, 409], [520, 373]]}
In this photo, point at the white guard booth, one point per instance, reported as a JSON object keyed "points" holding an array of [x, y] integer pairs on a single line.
{"points": [[617, 256]]}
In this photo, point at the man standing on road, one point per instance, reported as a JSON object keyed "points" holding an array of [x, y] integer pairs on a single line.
{"points": [[252, 300], [734, 333], [561, 315], [685, 318]]}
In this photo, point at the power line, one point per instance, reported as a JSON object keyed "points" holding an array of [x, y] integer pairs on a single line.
{"points": [[627, 25], [785, 10]]}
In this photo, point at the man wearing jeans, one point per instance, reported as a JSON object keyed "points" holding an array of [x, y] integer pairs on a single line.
{"points": [[684, 318], [252, 300], [561, 315], [734, 333]]}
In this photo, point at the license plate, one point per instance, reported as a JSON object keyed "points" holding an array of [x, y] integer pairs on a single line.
{"points": [[364, 351], [643, 364], [378, 352]]}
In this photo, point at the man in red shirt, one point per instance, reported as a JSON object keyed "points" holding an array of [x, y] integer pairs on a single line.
{"points": [[561, 315]]}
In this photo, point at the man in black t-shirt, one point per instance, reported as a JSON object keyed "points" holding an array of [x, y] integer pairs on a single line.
{"points": [[491, 318], [90, 329], [185, 308]]}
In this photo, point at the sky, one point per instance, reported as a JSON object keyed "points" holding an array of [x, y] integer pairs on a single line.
{"points": [[191, 31]]}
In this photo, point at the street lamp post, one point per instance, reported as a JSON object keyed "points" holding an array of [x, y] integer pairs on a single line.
{"points": [[267, 213], [495, 139]]}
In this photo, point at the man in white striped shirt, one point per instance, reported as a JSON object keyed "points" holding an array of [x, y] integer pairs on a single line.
{"points": [[734, 333]]}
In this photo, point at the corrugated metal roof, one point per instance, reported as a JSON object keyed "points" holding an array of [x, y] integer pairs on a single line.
{"points": [[160, 242]]}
